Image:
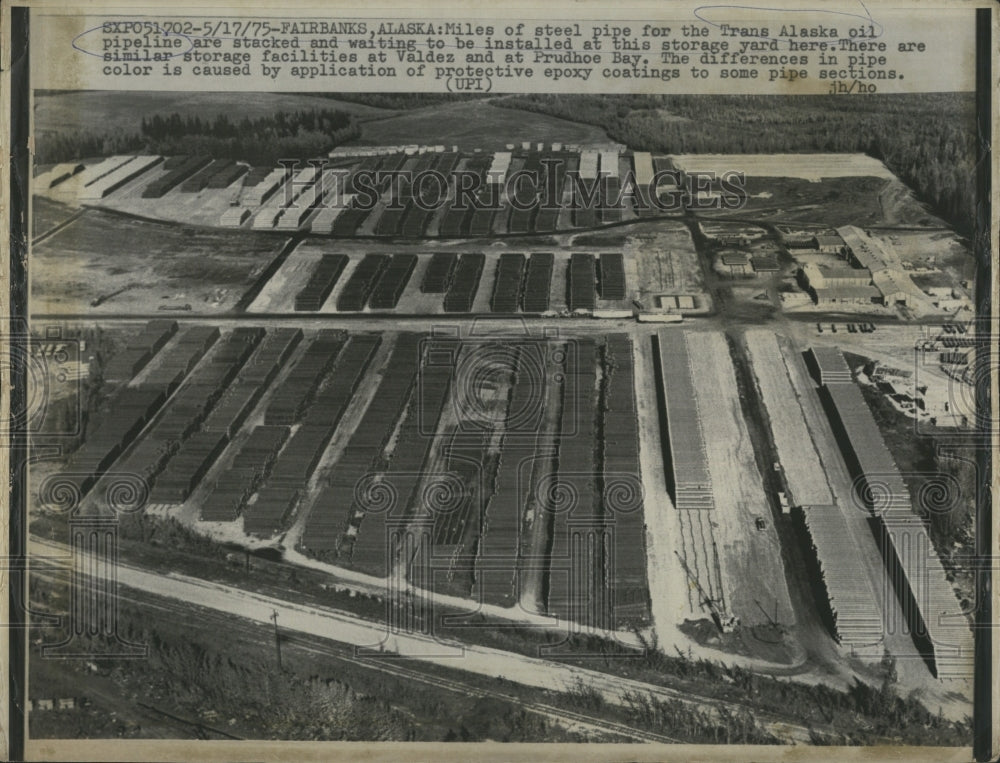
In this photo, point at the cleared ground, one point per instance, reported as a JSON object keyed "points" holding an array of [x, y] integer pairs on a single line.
{"points": [[137, 266], [475, 124], [666, 263], [668, 584], [203, 207], [46, 214], [898, 347], [753, 577], [940, 253], [811, 167], [799, 459], [831, 201]]}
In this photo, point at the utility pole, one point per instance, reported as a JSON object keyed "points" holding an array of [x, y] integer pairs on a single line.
{"points": [[277, 637]]}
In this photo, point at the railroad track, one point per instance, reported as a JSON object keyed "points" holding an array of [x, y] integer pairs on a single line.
{"points": [[390, 665], [56, 228], [228, 601], [558, 714]]}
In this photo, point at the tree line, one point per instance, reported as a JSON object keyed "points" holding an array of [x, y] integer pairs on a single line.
{"points": [[927, 140], [56, 147], [294, 135]]}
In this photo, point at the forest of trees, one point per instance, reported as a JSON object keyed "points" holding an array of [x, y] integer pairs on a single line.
{"points": [[293, 135], [927, 140], [55, 147]]}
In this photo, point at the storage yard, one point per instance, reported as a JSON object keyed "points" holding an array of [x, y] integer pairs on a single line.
{"points": [[853, 609], [339, 199], [506, 469], [242, 438], [468, 406], [930, 608], [240, 433], [320, 277]]}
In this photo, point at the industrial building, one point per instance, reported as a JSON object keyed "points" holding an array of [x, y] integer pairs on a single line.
{"points": [[765, 263], [861, 250], [892, 285], [873, 275], [848, 295], [829, 244], [737, 262], [836, 277], [828, 278]]}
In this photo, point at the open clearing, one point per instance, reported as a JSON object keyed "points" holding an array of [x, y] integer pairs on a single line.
{"points": [[132, 265], [829, 202], [474, 124], [46, 214], [810, 167], [668, 585], [666, 263], [753, 576], [801, 464]]}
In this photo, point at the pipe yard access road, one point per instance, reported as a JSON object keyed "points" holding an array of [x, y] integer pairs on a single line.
{"points": [[341, 627]]}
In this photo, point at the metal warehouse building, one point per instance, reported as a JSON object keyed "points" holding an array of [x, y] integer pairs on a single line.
{"points": [[848, 295]]}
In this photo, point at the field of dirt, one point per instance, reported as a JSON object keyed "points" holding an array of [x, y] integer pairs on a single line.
{"points": [[668, 585], [810, 167], [666, 263], [831, 201], [800, 462], [129, 265], [474, 124], [46, 214], [203, 207], [753, 577], [941, 251]]}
